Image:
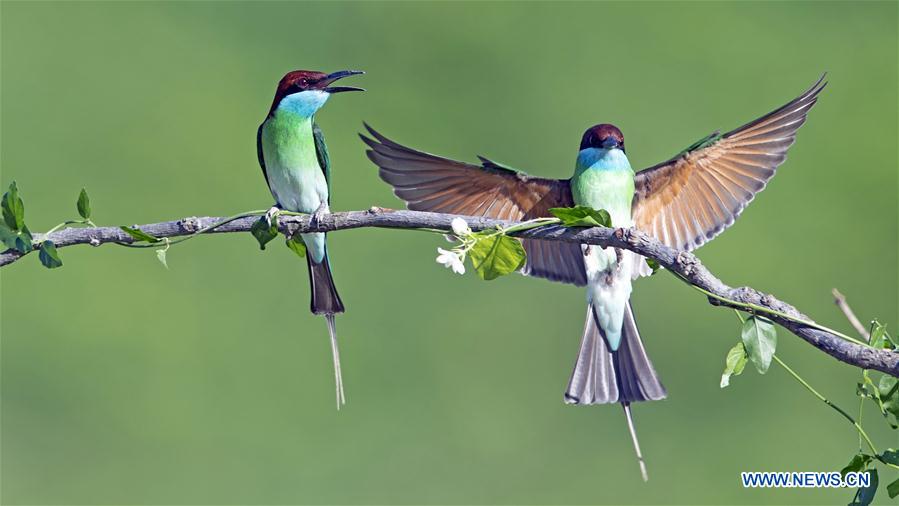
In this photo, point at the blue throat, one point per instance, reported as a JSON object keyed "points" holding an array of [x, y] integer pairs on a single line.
{"points": [[602, 159], [304, 103]]}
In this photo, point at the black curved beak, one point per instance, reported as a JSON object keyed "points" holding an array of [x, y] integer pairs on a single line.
{"points": [[611, 143], [340, 75]]}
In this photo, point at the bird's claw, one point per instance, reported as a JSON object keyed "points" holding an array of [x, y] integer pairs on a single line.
{"points": [[318, 216], [272, 214]]}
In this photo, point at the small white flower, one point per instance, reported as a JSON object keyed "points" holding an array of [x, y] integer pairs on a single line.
{"points": [[451, 260], [460, 227], [444, 256], [457, 266]]}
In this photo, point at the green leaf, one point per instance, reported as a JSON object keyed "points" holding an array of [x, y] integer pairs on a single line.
{"points": [[25, 242], [888, 392], [23, 246], [160, 255], [13, 208], [893, 489], [496, 256], [857, 464], [18, 240], [48, 255], [865, 495], [582, 216], [880, 338], [653, 265], [8, 236], [734, 363], [884, 395], [890, 455], [297, 245], [760, 340], [84, 204], [889, 343], [888, 388], [139, 235], [878, 331], [263, 232]]}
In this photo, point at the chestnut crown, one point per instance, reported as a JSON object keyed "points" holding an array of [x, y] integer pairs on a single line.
{"points": [[603, 136], [305, 80]]}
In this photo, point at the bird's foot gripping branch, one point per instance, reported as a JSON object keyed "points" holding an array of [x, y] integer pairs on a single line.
{"points": [[493, 250]]}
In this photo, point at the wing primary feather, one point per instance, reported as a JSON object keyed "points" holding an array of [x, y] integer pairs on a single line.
{"points": [[694, 196], [429, 182]]}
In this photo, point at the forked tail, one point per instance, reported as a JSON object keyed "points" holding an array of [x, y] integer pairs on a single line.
{"points": [[602, 376]]}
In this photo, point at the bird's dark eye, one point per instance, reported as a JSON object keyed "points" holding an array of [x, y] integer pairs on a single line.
{"points": [[304, 82]]}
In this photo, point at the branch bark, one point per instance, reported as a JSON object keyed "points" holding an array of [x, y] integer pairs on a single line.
{"points": [[684, 264]]}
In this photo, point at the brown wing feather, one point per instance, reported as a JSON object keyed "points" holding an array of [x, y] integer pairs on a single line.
{"points": [[686, 201], [428, 182]]}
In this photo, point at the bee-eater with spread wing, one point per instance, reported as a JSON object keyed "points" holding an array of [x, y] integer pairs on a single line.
{"points": [[295, 164], [683, 202]]}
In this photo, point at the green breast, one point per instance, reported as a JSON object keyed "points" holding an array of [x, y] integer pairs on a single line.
{"points": [[612, 190], [291, 164], [288, 142]]}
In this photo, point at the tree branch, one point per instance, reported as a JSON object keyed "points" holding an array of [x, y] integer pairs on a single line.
{"points": [[683, 264]]}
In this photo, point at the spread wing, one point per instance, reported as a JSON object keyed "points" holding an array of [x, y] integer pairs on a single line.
{"points": [[432, 183], [693, 197]]}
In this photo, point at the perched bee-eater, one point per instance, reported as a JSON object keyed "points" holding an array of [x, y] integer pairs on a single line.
{"points": [[295, 164], [683, 202]]}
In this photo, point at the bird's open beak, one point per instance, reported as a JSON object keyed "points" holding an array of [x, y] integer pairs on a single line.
{"points": [[340, 75]]}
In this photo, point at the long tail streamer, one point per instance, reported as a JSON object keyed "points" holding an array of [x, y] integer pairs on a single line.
{"points": [[630, 426], [335, 353]]}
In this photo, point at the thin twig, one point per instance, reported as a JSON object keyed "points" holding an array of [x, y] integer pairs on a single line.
{"points": [[825, 400], [682, 263], [840, 300]]}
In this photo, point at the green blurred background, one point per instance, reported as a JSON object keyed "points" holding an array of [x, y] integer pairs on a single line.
{"points": [[210, 383]]}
